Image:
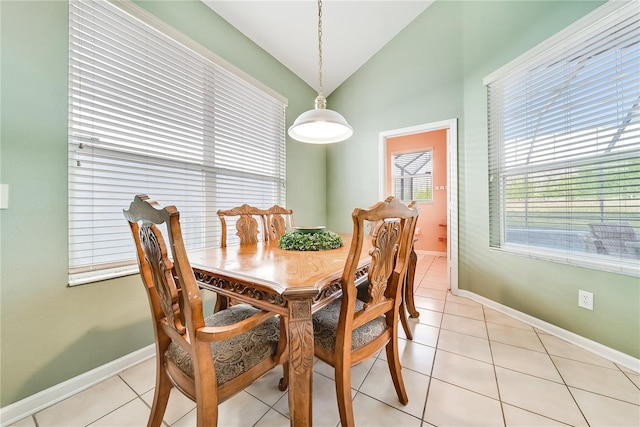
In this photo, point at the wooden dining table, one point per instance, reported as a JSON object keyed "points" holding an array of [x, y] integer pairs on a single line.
{"points": [[294, 284]]}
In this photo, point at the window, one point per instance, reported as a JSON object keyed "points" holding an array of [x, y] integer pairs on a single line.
{"points": [[412, 175], [564, 145], [152, 112]]}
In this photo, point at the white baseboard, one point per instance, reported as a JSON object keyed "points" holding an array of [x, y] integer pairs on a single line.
{"points": [[34, 403], [45, 398], [608, 353]]}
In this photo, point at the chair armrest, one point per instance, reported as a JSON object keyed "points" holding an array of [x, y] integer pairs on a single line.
{"points": [[221, 333]]}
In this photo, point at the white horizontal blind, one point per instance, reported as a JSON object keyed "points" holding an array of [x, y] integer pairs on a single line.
{"points": [[148, 114], [412, 175], [564, 147]]}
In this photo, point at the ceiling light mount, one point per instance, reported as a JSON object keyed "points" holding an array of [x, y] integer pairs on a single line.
{"points": [[320, 125]]}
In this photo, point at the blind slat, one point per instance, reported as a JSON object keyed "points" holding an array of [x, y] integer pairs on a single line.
{"points": [[564, 145], [151, 112]]}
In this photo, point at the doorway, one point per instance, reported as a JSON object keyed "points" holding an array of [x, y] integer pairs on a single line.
{"points": [[439, 224]]}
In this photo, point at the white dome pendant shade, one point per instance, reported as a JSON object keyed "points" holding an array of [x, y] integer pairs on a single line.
{"points": [[320, 125]]}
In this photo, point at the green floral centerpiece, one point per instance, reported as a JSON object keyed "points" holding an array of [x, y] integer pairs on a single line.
{"points": [[310, 239]]}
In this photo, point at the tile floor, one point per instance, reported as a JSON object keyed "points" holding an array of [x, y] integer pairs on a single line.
{"points": [[468, 365]]}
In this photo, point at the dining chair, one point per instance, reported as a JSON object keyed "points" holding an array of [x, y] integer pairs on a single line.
{"points": [[350, 330], [250, 222], [208, 359], [279, 220], [363, 286]]}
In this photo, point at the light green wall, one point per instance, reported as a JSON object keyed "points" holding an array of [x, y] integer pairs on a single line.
{"points": [[415, 79], [306, 193], [433, 71], [50, 332]]}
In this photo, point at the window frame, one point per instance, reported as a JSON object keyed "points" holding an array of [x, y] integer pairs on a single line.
{"points": [[206, 164], [428, 174], [499, 171]]}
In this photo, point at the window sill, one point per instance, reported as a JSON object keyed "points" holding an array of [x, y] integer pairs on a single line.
{"points": [[102, 275], [602, 263]]}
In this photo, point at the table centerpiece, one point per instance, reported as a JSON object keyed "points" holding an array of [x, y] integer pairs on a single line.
{"points": [[310, 238]]}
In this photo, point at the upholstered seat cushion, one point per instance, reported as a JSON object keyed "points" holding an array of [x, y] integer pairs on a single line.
{"points": [[325, 325], [238, 354]]}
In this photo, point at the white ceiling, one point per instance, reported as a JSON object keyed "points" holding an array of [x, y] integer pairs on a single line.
{"points": [[352, 32]]}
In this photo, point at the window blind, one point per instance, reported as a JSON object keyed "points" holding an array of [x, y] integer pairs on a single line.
{"points": [[413, 176], [152, 114], [564, 145]]}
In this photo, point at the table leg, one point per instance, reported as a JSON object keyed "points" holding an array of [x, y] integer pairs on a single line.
{"points": [[300, 361]]}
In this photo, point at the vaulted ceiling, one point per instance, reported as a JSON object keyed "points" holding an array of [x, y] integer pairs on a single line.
{"points": [[352, 32]]}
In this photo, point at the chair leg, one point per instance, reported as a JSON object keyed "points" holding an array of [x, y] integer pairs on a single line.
{"points": [[393, 360], [343, 392], [206, 414], [160, 397], [405, 322], [409, 301], [284, 381], [282, 352]]}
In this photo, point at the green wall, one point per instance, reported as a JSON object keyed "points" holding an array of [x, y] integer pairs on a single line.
{"points": [[433, 71], [48, 331]]}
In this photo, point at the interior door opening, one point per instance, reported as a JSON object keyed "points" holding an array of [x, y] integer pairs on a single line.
{"points": [[420, 163]]}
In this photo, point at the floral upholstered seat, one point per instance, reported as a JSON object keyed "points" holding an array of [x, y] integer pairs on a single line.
{"points": [[207, 359], [325, 326], [350, 330], [234, 356]]}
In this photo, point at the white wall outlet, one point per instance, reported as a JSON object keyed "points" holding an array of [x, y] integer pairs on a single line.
{"points": [[585, 299]]}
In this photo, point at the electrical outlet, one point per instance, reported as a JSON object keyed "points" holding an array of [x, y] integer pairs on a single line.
{"points": [[585, 299]]}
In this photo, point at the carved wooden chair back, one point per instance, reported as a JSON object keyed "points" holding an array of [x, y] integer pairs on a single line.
{"points": [[192, 350], [249, 223], [350, 330], [407, 300], [279, 220]]}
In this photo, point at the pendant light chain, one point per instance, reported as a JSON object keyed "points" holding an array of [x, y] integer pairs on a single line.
{"points": [[320, 46], [320, 125]]}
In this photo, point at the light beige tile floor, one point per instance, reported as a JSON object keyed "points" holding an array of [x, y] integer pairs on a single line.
{"points": [[468, 365]]}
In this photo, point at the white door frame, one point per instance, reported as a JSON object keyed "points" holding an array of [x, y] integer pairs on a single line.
{"points": [[451, 127]]}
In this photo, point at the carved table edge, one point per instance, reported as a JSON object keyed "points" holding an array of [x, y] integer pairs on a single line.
{"points": [[230, 287]]}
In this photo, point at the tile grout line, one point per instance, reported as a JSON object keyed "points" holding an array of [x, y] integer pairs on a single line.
{"points": [[449, 299], [137, 396], [626, 374], [493, 365], [561, 377], [435, 353]]}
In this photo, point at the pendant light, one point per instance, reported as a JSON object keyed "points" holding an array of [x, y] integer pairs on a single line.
{"points": [[320, 125]]}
